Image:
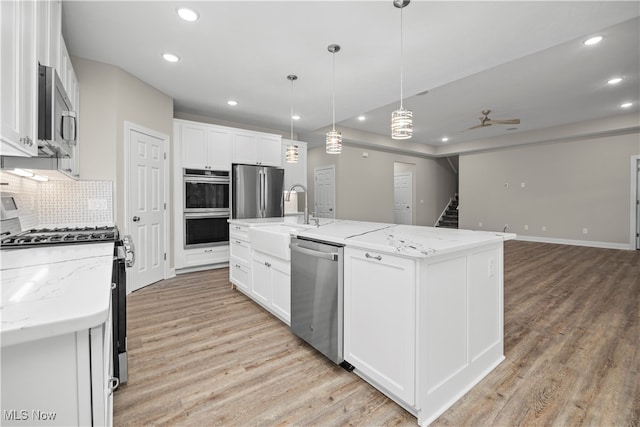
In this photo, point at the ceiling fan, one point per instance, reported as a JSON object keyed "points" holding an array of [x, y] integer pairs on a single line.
{"points": [[486, 121]]}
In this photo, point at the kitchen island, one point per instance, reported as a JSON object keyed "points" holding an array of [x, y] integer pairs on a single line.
{"points": [[423, 307], [55, 334]]}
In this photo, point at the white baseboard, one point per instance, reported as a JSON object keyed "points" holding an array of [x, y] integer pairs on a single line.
{"points": [[605, 245], [172, 273]]}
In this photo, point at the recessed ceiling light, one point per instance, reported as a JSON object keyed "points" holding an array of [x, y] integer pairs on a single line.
{"points": [[296, 117], [362, 118], [445, 139], [170, 57], [615, 80], [626, 104], [232, 102], [593, 40], [188, 14]]}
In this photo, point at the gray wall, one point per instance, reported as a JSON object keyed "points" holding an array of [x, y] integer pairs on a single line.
{"points": [[364, 186], [109, 96], [568, 186]]}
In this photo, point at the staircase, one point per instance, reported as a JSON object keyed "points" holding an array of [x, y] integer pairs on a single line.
{"points": [[449, 217]]}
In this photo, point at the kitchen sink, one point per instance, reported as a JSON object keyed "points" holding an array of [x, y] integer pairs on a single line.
{"points": [[274, 239]]}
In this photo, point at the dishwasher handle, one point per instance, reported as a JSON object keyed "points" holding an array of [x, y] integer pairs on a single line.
{"points": [[331, 256]]}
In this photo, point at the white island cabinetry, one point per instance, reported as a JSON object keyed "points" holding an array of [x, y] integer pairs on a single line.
{"points": [[240, 257], [380, 322], [423, 313], [271, 284]]}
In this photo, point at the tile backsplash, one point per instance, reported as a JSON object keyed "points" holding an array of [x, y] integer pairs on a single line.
{"points": [[53, 203]]}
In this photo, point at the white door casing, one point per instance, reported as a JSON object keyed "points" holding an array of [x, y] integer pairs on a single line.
{"points": [[145, 207], [324, 192], [634, 227], [403, 198]]}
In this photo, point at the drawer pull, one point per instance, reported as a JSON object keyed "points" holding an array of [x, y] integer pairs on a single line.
{"points": [[378, 257]]}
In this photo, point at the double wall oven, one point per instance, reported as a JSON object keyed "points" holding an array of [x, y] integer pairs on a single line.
{"points": [[206, 208]]}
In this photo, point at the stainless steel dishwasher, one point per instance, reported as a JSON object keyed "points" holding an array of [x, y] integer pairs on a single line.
{"points": [[317, 296]]}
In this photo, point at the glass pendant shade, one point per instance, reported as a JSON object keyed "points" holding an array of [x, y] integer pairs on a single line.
{"points": [[292, 154], [334, 142], [401, 124]]}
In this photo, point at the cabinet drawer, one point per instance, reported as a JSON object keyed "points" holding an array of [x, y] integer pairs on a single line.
{"points": [[239, 274], [239, 232], [196, 257], [240, 249]]}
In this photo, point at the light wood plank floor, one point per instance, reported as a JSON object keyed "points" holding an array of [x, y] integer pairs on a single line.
{"points": [[201, 354]]}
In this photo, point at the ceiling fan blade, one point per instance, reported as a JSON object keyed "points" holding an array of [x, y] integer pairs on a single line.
{"points": [[505, 122], [481, 125]]}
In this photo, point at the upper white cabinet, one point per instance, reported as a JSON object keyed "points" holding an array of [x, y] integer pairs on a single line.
{"points": [[49, 30], [257, 148], [204, 146], [294, 173], [19, 79]]}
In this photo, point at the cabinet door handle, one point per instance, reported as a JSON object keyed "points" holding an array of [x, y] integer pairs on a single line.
{"points": [[208, 250], [238, 266], [238, 242], [114, 382], [378, 257], [267, 264]]}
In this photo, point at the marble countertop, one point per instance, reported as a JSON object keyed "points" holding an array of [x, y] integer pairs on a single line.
{"points": [[53, 290], [405, 240], [421, 242]]}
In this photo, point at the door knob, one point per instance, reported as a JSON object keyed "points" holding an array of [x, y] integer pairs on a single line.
{"points": [[136, 218]]}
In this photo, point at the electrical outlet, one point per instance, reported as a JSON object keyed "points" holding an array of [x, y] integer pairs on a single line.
{"points": [[480, 224], [96, 204], [585, 231], [506, 185], [492, 267], [526, 226], [544, 228], [522, 185]]}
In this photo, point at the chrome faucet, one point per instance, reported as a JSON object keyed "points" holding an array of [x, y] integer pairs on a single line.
{"points": [[306, 208]]}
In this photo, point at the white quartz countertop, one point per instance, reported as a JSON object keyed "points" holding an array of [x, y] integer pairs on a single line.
{"points": [[405, 240], [421, 242], [53, 290]]}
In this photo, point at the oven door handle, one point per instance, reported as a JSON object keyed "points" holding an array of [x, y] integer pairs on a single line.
{"points": [[200, 180], [201, 215]]}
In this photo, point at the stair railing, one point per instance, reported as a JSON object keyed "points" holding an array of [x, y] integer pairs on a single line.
{"points": [[444, 211]]}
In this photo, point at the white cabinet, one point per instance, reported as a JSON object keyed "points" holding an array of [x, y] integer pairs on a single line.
{"points": [[49, 30], [205, 256], [271, 284], [204, 146], [240, 257], [379, 319], [61, 380], [294, 173], [257, 148], [19, 77]]}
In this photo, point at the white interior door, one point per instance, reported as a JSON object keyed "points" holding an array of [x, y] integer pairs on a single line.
{"points": [[403, 198], [324, 192], [638, 204], [146, 208]]}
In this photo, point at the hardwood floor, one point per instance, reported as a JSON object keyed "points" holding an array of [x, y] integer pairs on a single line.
{"points": [[201, 353]]}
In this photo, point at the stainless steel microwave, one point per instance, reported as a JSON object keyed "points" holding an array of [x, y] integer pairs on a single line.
{"points": [[57, 124]]}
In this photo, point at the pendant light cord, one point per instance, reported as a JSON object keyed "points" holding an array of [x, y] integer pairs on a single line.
{"points": [[333, 91], [291, 116], [401, 61]]}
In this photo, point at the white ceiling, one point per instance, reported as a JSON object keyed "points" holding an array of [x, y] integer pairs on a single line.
{"points": [[520, 59]]}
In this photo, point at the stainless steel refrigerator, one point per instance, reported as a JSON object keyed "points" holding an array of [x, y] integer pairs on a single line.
{"points": [[256, 191]]}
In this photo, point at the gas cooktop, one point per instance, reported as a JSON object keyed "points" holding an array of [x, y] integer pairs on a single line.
{"points": [[61, 235]]}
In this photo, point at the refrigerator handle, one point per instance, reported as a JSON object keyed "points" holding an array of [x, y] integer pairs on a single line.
{"points": [[262, 193]]}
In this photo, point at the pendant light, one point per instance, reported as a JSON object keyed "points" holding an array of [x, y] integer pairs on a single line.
{"points": [[292, 150], [334, 138], [401, 119]]}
